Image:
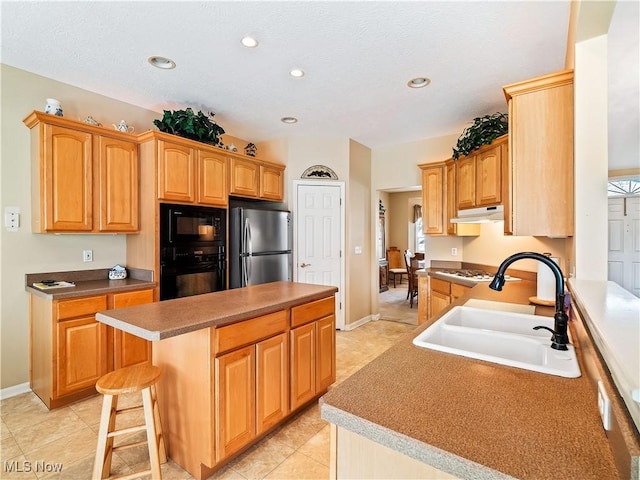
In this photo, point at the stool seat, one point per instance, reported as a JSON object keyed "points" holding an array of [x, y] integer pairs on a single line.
{"points": [[128, 379], [142, 378]]}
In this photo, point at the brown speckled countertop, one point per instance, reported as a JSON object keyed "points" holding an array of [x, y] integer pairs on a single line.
{"points": [[88, 283], [476, 419], [169, 318]]}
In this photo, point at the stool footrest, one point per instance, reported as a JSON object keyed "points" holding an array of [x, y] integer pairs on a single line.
{"points": [[129, 445], [129, 409], [116, 433], [133, 475]]}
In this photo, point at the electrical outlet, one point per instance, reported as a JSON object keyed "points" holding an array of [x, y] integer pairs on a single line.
{"points": [[87, 255], [454, 252], [12, 219], [604, 406]]}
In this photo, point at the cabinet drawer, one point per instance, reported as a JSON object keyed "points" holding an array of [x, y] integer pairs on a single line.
{"points": [[440, 286], [129, 299], [458, 290], [312, 311], [250, 331], [81, 306]]}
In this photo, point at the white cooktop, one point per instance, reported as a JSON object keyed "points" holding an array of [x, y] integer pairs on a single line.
{"points": [[480, 277]]}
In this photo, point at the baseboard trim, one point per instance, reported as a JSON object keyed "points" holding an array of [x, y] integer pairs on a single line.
{"points": [[359, 323], [14, 390]]}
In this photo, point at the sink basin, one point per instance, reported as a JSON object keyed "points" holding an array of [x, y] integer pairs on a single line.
{"points": [[500, 337]]}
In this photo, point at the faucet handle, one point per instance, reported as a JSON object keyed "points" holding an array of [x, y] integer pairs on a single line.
{"points": [[558, 340]]}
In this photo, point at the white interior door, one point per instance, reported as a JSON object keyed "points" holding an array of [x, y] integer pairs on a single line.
{"points": [[319, 237], [624, 243]]}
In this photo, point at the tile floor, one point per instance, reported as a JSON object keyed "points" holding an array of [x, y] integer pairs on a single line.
{"points": [[36, 442]]}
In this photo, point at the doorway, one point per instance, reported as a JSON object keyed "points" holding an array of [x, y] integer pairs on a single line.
{"points": [[624, 242], [319, 237]]}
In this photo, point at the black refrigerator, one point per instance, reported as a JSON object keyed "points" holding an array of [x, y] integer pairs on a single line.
{"points": [[260, 246]]}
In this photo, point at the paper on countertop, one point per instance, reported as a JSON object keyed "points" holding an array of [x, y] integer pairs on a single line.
{"points": [[47, 286]]}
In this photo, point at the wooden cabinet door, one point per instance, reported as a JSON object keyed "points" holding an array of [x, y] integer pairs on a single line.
{"points": [[117, 163], [244, 178], [458, 290], [212, 179], [303, 367], [452, 210], [271, 183], [235, 400], [325, 353], [466, 182], [433, 200], [176, 169], [272, 377], [128, 349], [66, 193], [439, 301], [82, 354], [489, 177]]}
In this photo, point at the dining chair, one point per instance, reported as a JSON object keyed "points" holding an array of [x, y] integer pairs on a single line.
{"points": [[396, 267]]}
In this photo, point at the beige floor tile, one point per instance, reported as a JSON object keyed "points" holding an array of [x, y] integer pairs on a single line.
{"points": [[89, 410], [226, 473], [55, 426], [82, 469], [29, 415], [24, 401], [298, 431], [318, 446], [66, 450], [4, 431], [262, 459], [17, 468], [9, 448], [299, 467]]}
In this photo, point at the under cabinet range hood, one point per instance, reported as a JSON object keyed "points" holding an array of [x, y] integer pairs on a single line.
{"points": [[480, 215]]}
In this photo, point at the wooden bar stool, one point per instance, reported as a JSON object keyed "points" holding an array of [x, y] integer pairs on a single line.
{"points": [[125, 380]]}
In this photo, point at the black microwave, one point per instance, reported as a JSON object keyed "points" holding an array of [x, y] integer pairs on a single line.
{"points": [[189, 225]]}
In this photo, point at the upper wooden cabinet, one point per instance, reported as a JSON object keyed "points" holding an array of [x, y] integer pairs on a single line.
{"points": [[189, 171], [433, 199], [541, 150], [84, 178], [479, 176], [256, 179], [458, 229], [439, 206]]}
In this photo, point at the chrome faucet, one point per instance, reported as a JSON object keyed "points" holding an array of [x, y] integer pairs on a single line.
{"points": [[559, 337]]}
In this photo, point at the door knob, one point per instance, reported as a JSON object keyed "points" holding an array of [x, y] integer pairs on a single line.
{"points": [[303, 265]]}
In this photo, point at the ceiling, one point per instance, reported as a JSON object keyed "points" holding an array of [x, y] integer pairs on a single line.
{"points": [[357, 58]]}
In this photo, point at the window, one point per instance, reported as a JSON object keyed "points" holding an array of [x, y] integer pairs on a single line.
{"points": [[623, 186], [419, 236]]}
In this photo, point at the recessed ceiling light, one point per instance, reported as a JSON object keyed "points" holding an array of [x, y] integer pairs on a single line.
{"points": [[249, 42], [289, 120], [161, 62], [296, 73], [418, 82]]}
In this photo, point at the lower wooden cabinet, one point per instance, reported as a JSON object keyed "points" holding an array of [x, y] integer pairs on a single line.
{"points": [[70, 350], [128, 349], [440, 296], [235, 401], [225, 388], [82, 354], [313, 349], [251, 393]]}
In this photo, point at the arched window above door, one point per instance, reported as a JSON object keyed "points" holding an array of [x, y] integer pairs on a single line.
{"points": [[623, 187]]}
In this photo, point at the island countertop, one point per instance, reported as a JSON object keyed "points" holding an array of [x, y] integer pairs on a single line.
{"points": [[156, 321], [475, 419]]}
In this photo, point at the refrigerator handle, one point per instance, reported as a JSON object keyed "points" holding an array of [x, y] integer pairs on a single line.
{"points": [[247, 237], [245, 272]]}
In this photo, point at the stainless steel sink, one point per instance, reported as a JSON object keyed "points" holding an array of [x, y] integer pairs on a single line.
{"points": [[502, 337]]}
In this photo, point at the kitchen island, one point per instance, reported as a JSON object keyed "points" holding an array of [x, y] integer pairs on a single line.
{"points": [[419, 413], [235, 364]]}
